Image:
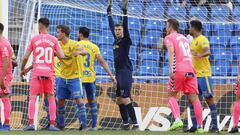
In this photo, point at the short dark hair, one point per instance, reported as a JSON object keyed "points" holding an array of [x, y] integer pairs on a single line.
{"points": [[44, 21], [1, 28], [174, 24], [84, 31], [64, 29], [197, 25], [118, 25]]}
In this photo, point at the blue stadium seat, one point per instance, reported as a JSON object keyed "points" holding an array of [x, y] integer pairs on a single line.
{"points": [[133, 53], [237, 29], [149, 71], [106, 38], [154, 25], [107, 54], [222, 68], [234, 43], [216, 41], [135, 36], [150, 41], [222, 29], [222, 55], [150, 54], [220, 13], [200, 12], [135, 8], [177, 12], [155, 10], [151, 63], [165, 71], [207, 29], [134, 64], [234, 71], [183, 26], [236, 14], [134, 24]]}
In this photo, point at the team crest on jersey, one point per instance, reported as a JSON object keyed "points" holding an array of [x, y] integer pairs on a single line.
{"points": [[58, 64], [196, 44], [115, 46]]}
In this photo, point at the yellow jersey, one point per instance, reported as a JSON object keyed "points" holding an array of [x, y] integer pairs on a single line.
{"points": [[202, 65], [57, 67], [88, 72], [70, 67]]}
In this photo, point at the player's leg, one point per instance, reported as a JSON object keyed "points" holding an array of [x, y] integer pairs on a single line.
{"points": [[122, 107], [208, 95], [174, 86], [46, 103], [125, 86], [77, 93], [90, 91], [191, 89], [236, 111], [7, 105], [35, 88], [49, 94], [193, 129], [62, 94]]}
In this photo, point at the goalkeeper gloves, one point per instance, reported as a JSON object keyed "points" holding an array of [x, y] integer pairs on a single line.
{"points": [[109, 9], [124, 6]]}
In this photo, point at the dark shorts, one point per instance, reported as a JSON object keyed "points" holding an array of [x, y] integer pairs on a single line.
{"points": [[124, 83]]}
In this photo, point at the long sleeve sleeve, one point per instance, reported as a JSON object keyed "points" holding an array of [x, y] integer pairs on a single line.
{"points": [[111, 25]]}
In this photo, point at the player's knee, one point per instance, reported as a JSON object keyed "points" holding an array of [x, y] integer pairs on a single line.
{"points": [[209, 100], [61, 102], [172, 94], [126, 101], [4, 95], [78, 100], [237, 97], [192, 98]]}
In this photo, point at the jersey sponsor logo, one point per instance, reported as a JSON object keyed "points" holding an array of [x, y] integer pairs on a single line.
{"points": [[87, 73], [115, 46], [156, 119]]}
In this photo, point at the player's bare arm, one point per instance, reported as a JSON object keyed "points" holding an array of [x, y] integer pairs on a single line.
{"points": [[24, 62], [105, 66], [205, 53], [4, 71], [170, 60], [80, 51]]}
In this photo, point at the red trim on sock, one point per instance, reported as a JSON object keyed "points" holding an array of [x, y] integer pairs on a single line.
{"points": [[52, 122], [30, 121], [6, 122]]}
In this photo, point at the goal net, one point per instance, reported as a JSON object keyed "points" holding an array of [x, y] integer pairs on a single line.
{"points": [[148, 56]]}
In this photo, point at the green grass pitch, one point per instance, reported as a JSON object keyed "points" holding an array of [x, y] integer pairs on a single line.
{"points": [[107, 132]]}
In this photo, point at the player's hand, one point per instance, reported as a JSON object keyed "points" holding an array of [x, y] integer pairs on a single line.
{"points": [[75, 53], [109, 8], [171, 74], [23, 73], [124, 6], [2, 84], [114, 80]]}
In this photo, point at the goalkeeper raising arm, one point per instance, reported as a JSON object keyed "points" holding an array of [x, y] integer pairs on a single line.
{"points": [[123, 66]]}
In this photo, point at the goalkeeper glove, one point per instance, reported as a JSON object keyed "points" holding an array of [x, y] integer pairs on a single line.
{"points": [[124, 6], [109, 9]]}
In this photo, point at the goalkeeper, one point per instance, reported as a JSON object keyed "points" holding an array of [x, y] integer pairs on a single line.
{"points": [[123, 66]]}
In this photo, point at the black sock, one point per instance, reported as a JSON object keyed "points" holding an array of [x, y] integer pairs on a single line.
{"points": [[124, 113], [131, 113]]}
